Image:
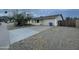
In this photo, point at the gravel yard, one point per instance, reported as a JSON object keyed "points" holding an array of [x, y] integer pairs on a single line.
{"points": [[55, 38]]}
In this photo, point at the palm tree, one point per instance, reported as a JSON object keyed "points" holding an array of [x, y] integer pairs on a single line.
{"points": [[19, 18], [22, 18]]}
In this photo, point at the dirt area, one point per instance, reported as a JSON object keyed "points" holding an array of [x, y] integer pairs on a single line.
{"points": [[55, 38]]}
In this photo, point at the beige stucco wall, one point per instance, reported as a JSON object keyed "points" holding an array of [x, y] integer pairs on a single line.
{"points": [[77, 23], [4, 36], [46, 22], [34, 23], [58, 18], [54, 21]]}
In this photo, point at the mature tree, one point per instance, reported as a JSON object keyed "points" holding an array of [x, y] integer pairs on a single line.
{"points": [[75, 18], [71, 18], [29, 17], [21, 18], [68, 18]]}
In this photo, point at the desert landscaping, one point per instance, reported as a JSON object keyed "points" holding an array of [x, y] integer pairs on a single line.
{"points": [[55, 38]]}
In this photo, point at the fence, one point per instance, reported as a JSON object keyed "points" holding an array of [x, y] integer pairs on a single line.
{"points": [[68, 23]]}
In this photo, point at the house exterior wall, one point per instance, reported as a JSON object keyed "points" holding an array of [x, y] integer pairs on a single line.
{"points": [[53, 21], [58, 18], [4, 36], [33, 22]]}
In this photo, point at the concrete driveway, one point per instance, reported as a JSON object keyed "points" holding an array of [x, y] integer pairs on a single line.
{"points": [[22, 33]]}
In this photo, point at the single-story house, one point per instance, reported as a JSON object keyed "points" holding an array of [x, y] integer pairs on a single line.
{"points": [[51, 20]]}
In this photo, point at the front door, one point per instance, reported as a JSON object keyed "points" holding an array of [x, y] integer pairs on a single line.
{"points": [[50, 24]]}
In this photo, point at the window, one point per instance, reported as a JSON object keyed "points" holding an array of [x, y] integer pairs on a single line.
{"points": [[37, 21]]}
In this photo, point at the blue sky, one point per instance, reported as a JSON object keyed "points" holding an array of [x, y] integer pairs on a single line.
{"points": [[45, 12]]}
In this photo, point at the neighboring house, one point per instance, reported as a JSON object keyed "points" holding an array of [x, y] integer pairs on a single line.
{"points": [[51, 20]]}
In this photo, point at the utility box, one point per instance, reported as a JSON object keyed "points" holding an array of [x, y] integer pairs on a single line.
{"points": [[4, 37], [77, 23]]}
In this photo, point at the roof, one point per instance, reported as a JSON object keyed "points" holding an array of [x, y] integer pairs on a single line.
{"points": [[48, 17]]}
